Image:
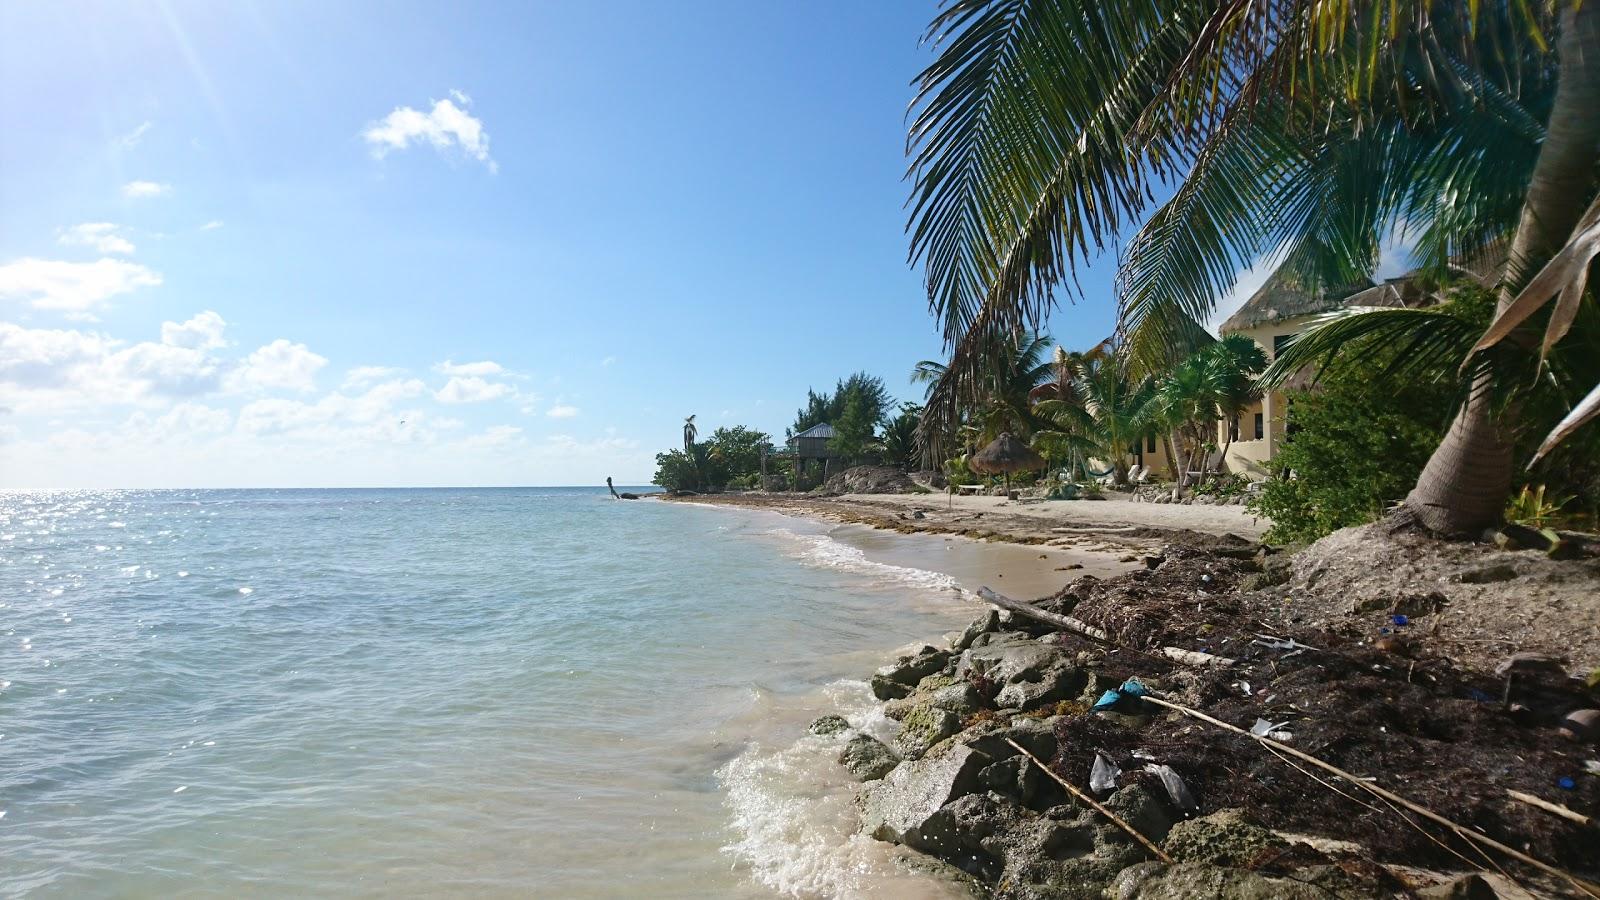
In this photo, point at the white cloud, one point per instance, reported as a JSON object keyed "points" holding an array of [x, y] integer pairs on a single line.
{"points": [[212, 225], [54, 369], [608, 361], [102, 236], [479, 369], [74, 288], [280, 364], [203, 332], [471, 389], [444, 126], [494, 436], [562, 411], [337, 416], [132, 139], [135, 190], [360, 376]]}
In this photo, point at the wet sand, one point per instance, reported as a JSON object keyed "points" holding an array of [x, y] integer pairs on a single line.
{"points": [[1016, 570]]}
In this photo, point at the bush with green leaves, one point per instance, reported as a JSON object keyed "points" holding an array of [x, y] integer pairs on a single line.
{"points": [[1357, 446]]}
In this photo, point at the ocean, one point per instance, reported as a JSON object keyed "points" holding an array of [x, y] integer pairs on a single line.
{"points": [[536, 691]]}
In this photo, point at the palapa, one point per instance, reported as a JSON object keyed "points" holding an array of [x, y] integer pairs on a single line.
{"points": [[1006, 454]]}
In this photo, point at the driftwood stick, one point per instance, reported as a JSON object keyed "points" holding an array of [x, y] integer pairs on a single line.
{"points": [[1148, 845], [1549, 807], [1195, 657], [1586, 887], [1066, 623]]}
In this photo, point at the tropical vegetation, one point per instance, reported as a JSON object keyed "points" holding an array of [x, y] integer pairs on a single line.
{"points": [[1308, 131]]}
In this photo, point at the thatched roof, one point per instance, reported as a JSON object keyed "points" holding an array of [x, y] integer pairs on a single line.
{"points": [[1005, 454], [1283, 298]]}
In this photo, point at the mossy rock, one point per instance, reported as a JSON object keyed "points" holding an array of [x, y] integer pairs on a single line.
{"points": [[924, 726], [1224, 838], [824, 726]]}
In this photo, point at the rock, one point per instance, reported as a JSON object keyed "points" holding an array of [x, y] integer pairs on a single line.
{"points": [[1183, 881], [897, 808], [1140, 808], [919, 514], [989, 622], [922, 727], [1010, 661], [1061, 680], [867, 758], [962, 832], [828, 725], [910, 669], [1036, 736], [869, 480], [914, 862], [1224, 838], [960, 698], [886, 688]]}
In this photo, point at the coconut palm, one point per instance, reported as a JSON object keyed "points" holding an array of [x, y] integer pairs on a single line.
{"points": [[1189, 398], [1113, 412], [1002, 398], [1237, 360], [1306, 127]]}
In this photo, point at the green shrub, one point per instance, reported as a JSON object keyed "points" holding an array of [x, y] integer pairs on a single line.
{"points": [[1356, 448]]}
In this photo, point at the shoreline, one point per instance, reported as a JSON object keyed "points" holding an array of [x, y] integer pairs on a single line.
{"points": [[1112, 525], [941, 787]]}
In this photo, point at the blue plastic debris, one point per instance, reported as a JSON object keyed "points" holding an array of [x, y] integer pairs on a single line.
{"points": [[1399, 619], [1110, 699], [1567, 784]]}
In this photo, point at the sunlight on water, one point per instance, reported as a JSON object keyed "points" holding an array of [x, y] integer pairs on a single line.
{"points": [[437, 691]]}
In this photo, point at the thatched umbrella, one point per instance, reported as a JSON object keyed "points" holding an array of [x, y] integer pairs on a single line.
{"points": [[1005, 455]]}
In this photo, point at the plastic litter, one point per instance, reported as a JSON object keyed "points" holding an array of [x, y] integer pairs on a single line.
{"points": [[1274, 730], [1176, 789], [1130, 689], [1103, 774], [1399, 619], [1567, 784], [1144, 754], [1271, 642]]}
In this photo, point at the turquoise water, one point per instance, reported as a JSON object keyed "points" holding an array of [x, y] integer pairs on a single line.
{"points": [[491, 692]]}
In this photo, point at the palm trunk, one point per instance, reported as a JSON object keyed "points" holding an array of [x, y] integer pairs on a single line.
{"points": [[1464, 486]]}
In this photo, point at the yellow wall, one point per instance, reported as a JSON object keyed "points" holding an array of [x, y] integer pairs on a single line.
{"points": [[1249, 456]]}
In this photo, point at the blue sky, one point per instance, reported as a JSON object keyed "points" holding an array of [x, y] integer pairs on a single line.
{"points": [[285, 243]]}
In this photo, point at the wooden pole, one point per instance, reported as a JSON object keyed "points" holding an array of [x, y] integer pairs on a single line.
{"points": [[1066, 623], [1587, 887], [1148, 845]]}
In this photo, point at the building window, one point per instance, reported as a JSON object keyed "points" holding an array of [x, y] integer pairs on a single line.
{"points": [[1261, 426], [1150, 443]]}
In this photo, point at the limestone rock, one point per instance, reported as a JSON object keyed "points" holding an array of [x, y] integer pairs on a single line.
{"points": [[867, 758], [990, 621], [923, 726], [824, 726], [897, 808], [912, 668], [886, 688], [1224, 838], [1156, 881]]}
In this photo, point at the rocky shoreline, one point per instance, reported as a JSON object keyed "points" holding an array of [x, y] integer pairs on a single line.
{"points": [[952, 785]]}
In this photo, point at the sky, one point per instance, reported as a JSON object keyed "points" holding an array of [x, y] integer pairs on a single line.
{"points": [[278, 244]]}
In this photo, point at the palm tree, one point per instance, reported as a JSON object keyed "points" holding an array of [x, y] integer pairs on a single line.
{"points": [[1001, 397], [690, 433], [1189, 398], [1115, 410], [1237, 360], [1310, 127]]}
